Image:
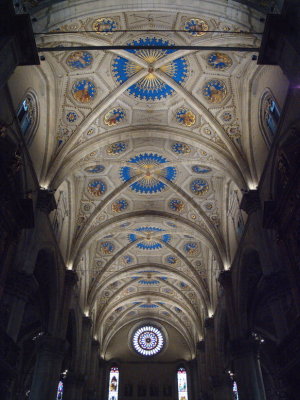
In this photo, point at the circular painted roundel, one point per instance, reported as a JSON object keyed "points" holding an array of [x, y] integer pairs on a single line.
{"points": [[148, 340]]}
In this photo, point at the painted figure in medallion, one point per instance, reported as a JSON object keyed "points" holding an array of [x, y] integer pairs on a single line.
{"points": [[84, 91], [79, 59], [214, 91]]}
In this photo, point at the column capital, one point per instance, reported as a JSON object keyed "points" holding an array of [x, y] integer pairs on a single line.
{"points": [[201, 346], [250, 201], [46, 200], [21, 284], [71, 277], [243, 346], [220, 380], [95, 343], [209, 323], [87, 321], [75, 378], [225, 279], [275, 284], [51, 345]]}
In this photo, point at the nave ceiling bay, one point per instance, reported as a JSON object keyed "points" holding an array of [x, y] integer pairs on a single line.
{"points": [[148, 146]]}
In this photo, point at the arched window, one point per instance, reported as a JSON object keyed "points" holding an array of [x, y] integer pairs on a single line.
{"points": [[235, 391], [182, 384], [269, 116], [27, 115], [60, 391], [113, 388]]}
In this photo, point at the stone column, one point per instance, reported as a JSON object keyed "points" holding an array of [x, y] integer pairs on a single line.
{"points": [[247, 369], [202, 370], [50, 353], [19, 286], [225, 279], [210, 359], [222, 386], [73, 385], [275, 287], [71, 279], [93, 379]]}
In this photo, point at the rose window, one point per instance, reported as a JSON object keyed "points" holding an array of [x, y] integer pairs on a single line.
{"points": [[148, 340]]}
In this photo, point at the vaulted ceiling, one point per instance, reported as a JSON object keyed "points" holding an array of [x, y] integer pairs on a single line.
{"points": [[149, 156]]}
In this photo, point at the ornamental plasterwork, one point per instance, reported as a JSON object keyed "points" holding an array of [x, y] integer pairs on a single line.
{"points": [[116, 140]]}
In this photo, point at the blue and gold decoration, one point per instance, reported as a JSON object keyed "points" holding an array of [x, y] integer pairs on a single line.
{"points": [[84, 91], [181, 148], [150, 87], [127, 259], [71, 116], [106, 248], [196, 27], [79, 59], [149, 281], [97, 187], [149, 169], [226, 116], [199, 186], [219, 61], [172, 260], [105, 26], [185, 117], [171, 224], [95, 169], [214, 91], [119, 205], [200, 169], [191, 248], [116, 148], [176, 205], [149, 238], [114, 116], [148, 306]]}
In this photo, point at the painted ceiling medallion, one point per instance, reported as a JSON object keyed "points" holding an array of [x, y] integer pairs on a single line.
{"points": [[176, 205], [84, 91], [105, 26], [214, 91], [149, 238], [219, 61], [201, 169], [172, 260], [79, 59], [185, 117], [150, 87], [181, 148], [150, 173], [199, 186], [71, 116], [116, 148], [196, 27], [191, 248], [119, 205], [97, 187], [106, 248], [127, 259], [114, 116], [226, 116], [94, 169]]}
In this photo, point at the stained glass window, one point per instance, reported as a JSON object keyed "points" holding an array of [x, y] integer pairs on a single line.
{"points": [[27, 115], [60, 391], [270, 115], [235, 391], [148, 340], [182, 384], [113, 383]]}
